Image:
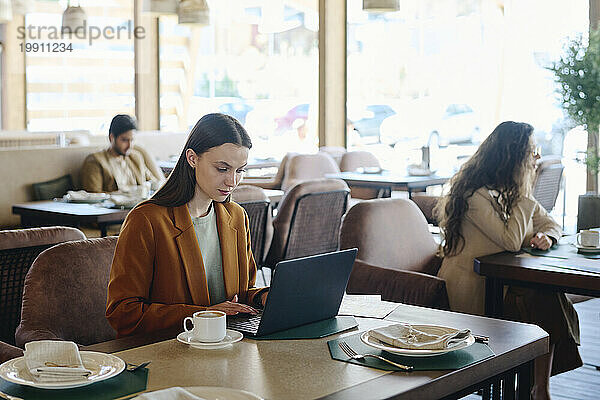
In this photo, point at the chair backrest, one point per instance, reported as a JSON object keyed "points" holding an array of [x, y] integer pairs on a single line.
{"points": [[336, 152], [8, 352], [426, 204], [547, 185], [54, 188], [308, 220], [304, 167], [65, 293], [18, 249], [353, 160], [258, 207], [391, 233]]}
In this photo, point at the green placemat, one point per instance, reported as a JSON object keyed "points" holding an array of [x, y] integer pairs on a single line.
{"points": [[453, 360], [124, 384], [315, 330], [562, 251]]}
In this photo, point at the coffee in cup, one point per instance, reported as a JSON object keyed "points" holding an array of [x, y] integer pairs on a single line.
{"points": [[208, 326]]}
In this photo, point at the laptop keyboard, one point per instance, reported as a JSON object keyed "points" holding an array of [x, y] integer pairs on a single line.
{"points": [[244, 322]]}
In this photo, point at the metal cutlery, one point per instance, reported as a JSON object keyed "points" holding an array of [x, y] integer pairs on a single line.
{"points": [[135, 367], [8, 396], [354, 355]]}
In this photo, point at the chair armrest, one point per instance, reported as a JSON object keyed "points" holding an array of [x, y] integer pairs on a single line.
{"points": [[25, 335], [8, 352], [399, 286]]}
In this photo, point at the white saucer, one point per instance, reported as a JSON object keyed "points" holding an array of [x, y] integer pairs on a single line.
{"points": [[587, 249], [230, 337]]}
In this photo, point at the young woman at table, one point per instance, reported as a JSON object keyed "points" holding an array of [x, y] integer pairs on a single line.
{"points": [[188, 247], [490, 208]]}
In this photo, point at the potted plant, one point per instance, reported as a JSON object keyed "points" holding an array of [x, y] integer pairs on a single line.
{"points": [[578, 76]]}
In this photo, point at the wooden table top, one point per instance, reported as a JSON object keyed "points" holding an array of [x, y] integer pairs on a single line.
{"points": [[61, 207], [562, 268], [390, 178], [303, 369]]}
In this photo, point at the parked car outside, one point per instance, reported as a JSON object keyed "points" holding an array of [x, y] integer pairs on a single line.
{"points": [[293, 119], [424, 124], [237, 109], [366, 120]]}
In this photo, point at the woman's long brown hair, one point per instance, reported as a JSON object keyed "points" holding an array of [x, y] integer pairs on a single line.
{"points": [[503, 162], [210, 131]]}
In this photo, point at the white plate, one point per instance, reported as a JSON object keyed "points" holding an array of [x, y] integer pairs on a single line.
{"points": [[587, 249], [230, 337], [102, 365], [371, 341]]}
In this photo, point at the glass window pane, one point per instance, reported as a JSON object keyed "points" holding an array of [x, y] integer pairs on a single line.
{"points": [[79, 81], [256, 61]]}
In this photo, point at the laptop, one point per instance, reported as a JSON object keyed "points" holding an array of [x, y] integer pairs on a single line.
{"points": [[303, 290]]}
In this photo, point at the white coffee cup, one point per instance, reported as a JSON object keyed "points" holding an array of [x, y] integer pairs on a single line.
{"points": [[208, 326], [588, 238]]}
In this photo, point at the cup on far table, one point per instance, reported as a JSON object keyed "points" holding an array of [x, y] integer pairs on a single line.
{"points": [[208, 326], [588, 238]]}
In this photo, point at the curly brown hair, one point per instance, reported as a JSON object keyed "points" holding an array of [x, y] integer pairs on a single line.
{"points": [[502, 162]]}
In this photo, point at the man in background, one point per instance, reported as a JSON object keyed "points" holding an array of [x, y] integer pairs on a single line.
{"points": [[120, 167]]}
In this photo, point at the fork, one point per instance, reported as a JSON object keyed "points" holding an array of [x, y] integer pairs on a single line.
{"points": [[135, 367], [355, 356]]}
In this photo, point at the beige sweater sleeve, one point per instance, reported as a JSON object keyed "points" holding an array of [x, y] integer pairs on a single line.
{"points": [[483, 215], [91, 175]]}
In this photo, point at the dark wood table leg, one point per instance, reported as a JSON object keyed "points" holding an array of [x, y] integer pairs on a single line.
{"points": [[494, 291], [508, 386], [103, 229], [525, 381]]}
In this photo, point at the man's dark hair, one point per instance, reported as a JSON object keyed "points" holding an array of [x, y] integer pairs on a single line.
{"points": [[121, 123]]}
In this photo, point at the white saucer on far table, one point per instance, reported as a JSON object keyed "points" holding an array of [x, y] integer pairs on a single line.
{"points": [[231, 336], [587, 249]]}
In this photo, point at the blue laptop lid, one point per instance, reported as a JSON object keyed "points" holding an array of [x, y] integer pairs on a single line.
{"points": [[305, 290]]}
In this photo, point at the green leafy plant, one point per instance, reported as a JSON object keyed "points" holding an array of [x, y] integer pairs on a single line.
{"points": [[578, 76]]}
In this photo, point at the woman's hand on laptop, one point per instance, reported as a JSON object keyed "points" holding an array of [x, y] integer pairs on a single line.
{"points": [[232, 307]]}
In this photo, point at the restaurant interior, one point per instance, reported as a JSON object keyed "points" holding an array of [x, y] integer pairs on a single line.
{"points": [[366, 118]]}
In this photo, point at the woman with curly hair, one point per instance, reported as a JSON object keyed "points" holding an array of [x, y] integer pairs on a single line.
{"points": [[490, 208]]}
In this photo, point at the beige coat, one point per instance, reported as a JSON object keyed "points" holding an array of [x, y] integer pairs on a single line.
{"points": [[158, 278], [485, 233], [97, 173]]}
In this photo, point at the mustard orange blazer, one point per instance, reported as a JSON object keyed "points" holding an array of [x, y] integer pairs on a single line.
{"points": [[157, 277]]}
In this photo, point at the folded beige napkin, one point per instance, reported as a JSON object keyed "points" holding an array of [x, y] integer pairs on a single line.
{"points": [[174, 393], [82, 195], [54, 361], [406, 336]]}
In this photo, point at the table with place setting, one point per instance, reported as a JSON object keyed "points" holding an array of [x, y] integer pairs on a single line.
{"points": [[489, 353]]}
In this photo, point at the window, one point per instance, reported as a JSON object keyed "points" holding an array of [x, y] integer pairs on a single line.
{"points": [[256, 61], [85, 87]]}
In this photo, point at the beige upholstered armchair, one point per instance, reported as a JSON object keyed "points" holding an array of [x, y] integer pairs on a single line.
{"points": [[396, 253], [258, 207], [8, 352], [18, 249], [353, 160], [308, 220], [304, 167], [275, 182], [64, 297]]}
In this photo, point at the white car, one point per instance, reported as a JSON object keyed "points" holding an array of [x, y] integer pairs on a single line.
{"points": [[431, 126]]}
